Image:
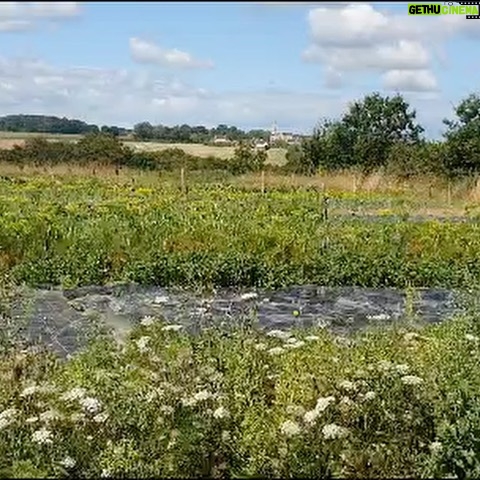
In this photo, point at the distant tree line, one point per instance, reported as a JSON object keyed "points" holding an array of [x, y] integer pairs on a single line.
{"points": [[381, 134], [52, 125], [142, 131], [197, 134]]}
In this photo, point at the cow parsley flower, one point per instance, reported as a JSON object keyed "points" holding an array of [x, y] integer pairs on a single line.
{"points": [[74, 394], [147, 321], [333, 431], [91, 405], [173, 328], [290, 428], [220, 412], [42, 436], [411, 380]]}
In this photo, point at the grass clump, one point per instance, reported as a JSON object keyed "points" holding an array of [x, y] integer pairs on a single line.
{"points": [[243, 403]]}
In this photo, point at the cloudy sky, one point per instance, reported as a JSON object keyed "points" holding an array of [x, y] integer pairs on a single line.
{"points": [[245, 64]]}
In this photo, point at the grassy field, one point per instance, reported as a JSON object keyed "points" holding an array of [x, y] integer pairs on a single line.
{"points": [[276, 156], [236, 402]]}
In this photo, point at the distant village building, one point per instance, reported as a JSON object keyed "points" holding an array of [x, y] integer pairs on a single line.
{"points": [[222, 140], [261, 144], [287, 137]]}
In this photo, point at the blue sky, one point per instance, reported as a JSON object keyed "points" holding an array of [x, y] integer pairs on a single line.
{"points": [[246, 64]]}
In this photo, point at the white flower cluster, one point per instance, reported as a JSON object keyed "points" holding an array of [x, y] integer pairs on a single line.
{"points": [[42, 436], [322, 404], [7, 417]]}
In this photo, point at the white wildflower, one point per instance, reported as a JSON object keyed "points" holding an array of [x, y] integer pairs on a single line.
{"points": [[68, 462], [346, 401], [410, 336], [471, 338], [91, 405], [296, 410], [74, 394], [312, 338], [226, 436], [291, 340], [147, 321], [290, 428], [323, 403], [166, 409], [42, 436], [411, 380], [100, 417], [347, 385], [276, 350], [29, 391], [385, 365], [9, 414], [77, 417], [378, 317], [174, 328], [296, 344], [202, 395], [188, 402], [220, 412], [332, 431], [5, 422], [370, 395], [279, 334], [435, 447], [160, 299], [248, 296], [142, 343], [311, 416], [31, 420], [106, 473], [261, 346], [402, 369], [49, 416]]}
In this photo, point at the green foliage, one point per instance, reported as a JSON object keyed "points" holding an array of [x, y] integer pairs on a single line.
{"points": [[44, 124], [247, 159], [240, 403], [363, 138], [101, 148], [463, 139], [194, 134], [91, 231]]}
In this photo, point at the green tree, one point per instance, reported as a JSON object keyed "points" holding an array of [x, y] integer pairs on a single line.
{"points": [[143, 131], [102, 148], [463, 138], [363, 137], [247, 159], [374, 124]]}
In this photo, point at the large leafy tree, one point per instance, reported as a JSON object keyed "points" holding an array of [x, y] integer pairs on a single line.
{"points": [[364, 136], [463, 138]]}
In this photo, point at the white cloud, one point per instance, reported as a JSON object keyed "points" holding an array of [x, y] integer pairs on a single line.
{"points": [[150, 53], [410, 80], [55, 9], [33, 86], [18, 16], [360, 38]]}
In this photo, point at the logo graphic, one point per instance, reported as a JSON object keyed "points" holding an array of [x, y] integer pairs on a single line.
{"points": [[470, 9]]}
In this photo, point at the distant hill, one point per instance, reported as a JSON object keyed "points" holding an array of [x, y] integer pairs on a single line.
{"points": [[51, 124]]}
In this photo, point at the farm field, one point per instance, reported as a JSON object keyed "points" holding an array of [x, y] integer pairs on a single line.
{"points": [[233, 399], [276, 156]]}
